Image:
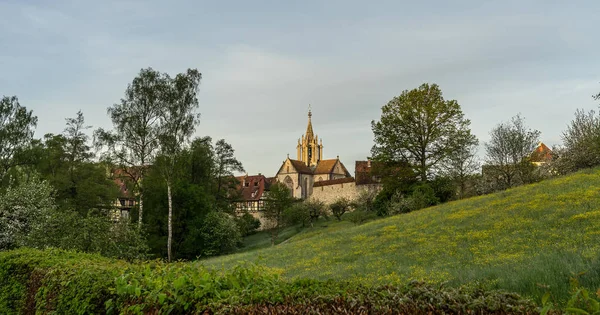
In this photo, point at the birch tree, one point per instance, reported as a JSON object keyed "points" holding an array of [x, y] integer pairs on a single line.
{"points": [[133, 142], [178, 123]]}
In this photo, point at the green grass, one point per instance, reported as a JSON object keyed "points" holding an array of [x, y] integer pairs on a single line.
{"points": [[527, 240]]}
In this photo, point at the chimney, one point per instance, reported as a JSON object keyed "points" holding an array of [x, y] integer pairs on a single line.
{"points": [[369, 163]]}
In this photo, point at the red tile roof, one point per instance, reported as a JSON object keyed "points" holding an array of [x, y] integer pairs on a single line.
{"points": [[542, 153], [334, 181], [257, 184]]}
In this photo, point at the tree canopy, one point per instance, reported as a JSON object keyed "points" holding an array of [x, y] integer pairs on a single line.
{"points": [[421, 128]]}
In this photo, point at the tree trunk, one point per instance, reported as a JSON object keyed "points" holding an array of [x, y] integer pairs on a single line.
{"points": [[141, 209], [170, 222]]}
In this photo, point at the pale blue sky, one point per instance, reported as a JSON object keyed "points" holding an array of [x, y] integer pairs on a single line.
{"points": [[263, 62]]}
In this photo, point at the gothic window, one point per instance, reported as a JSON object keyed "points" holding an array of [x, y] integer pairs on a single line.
{"points": [[309, 153], [290, 184]]}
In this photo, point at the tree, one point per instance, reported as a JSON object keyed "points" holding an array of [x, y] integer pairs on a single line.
{"points": [[16, 132], [509, 151], [277, 202], [225, 164], [339, 207], [133, 142], [421, 128], [20, 206], [582, 141], [461, 165], [66, 162], [178, 123]]}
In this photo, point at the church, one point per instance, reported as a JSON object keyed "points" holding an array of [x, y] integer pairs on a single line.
{"points": [[301, 174]]}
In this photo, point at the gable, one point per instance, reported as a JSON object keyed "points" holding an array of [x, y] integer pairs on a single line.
{"points": [[290, 166]]}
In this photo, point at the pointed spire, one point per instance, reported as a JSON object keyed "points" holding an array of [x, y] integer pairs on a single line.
{"points": [[309, 129]]}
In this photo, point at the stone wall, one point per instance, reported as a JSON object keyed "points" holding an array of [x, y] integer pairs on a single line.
{"points": [[328, 194]]}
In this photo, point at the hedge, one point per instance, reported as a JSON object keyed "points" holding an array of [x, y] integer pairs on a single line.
{"points": [[62, 282]]}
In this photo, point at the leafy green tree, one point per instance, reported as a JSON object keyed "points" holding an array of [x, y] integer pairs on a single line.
{"points": [[221, 233], [66, 162], [421, 128], [225, 165], [277, 202], [178, 123], [133, 142], [17, 126], [20, 206], [509, 151]]}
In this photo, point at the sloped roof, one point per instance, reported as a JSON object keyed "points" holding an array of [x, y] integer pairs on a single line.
{"points": [[325, 166], [257, 184], [542, 153], [334, 181], [301, 167]]}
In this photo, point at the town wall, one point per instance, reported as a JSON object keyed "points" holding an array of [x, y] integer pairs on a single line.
{"points": [[329, 193]]}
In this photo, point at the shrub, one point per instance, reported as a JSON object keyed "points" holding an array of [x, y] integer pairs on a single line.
{"points": [[305, 212], [20, 206], [360, 216], [62, 282], [247, 224], [339, 207], [94, 233], [221, 234]]}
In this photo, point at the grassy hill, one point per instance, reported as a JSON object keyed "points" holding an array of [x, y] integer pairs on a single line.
{"points": [[528, 240]]}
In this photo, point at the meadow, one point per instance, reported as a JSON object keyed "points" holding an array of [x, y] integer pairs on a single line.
{"points": [[530, 240]]}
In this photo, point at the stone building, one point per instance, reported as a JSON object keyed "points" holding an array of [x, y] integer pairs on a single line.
{"points": [[300, 175]]}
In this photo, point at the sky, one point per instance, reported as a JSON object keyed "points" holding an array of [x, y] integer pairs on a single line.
{"points": [[264, 62]]}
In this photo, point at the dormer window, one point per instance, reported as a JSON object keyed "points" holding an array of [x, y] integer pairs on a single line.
{"points": [[247, 184]]}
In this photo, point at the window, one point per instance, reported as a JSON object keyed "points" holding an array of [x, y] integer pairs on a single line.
{"points": [[122, 201], [255, 184], [247, 184]]}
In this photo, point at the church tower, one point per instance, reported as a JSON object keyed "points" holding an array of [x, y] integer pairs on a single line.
{"points": [[310, 150]]}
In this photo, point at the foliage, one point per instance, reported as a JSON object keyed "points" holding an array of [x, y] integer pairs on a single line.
{"points": [[225, 166], [20, 206], [247, 224], [422, 196], [92, 233], [277, 203], [16, 132], [66, 162], [509, 151], [510, 240], [133, 142], [581, 142], [304, 213], [221, 234], [460, 167], [422, 128], [339, 207], [72, 283]]}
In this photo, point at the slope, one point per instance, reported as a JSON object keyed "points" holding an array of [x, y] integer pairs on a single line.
{"points": [[528, 240]]}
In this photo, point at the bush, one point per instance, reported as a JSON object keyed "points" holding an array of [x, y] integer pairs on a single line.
{"points": [[220, 233], [20, 206], [339, 207], [247, 224], [308, 211], [360, 216], [422, 196], [94, 233], [62, 282]]}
